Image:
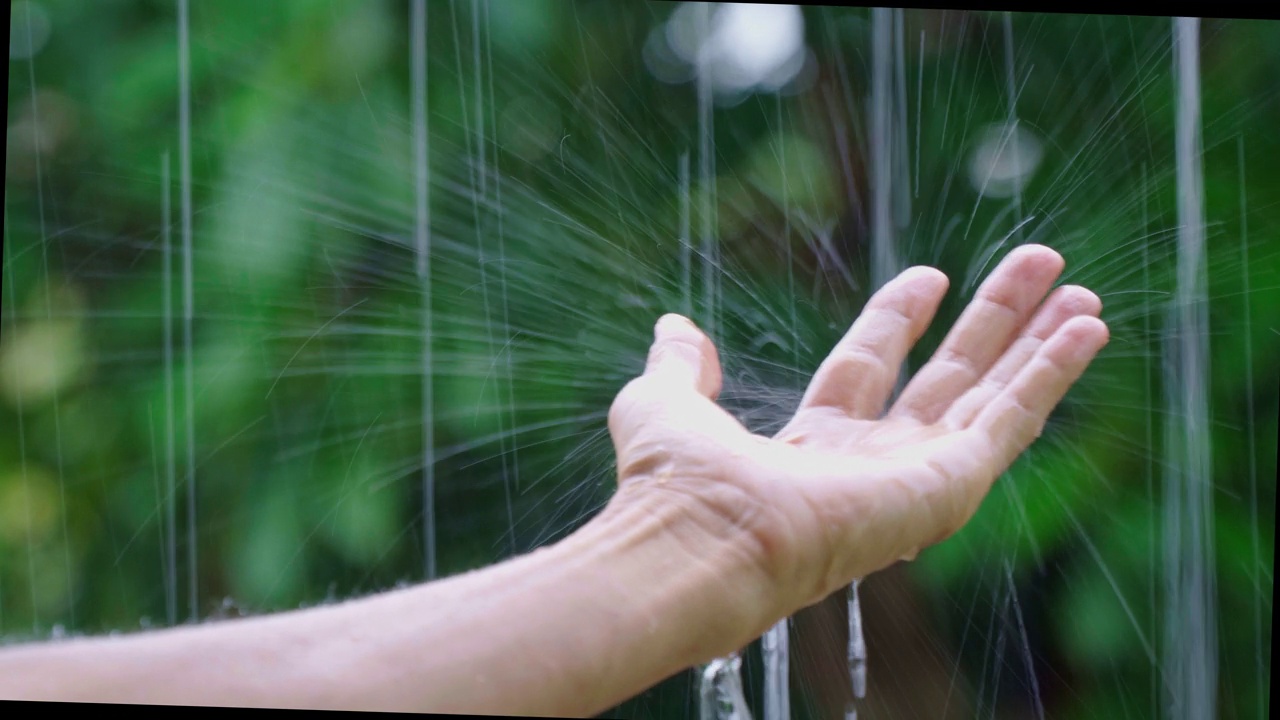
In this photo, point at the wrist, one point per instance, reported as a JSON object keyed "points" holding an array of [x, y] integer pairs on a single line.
{"points": [[689, 573]]}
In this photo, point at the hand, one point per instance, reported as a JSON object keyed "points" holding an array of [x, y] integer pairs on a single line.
{"points": [[846, 489], [714, 534]]}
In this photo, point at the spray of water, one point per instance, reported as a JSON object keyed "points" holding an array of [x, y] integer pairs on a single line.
{"points": [[483, 224]]}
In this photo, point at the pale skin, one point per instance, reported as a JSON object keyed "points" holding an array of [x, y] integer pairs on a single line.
{"points": [[714, 534]]}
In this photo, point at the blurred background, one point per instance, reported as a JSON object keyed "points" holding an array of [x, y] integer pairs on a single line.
{"points": [[346, 324]]}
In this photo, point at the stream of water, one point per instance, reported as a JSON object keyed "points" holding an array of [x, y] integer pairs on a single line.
{"points": [[1191, 638]]}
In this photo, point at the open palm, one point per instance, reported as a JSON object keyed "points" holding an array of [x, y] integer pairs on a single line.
{"points": [[847, 488]]}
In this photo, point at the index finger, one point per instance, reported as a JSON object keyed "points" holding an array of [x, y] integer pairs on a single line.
{"points": [[861, 370]]}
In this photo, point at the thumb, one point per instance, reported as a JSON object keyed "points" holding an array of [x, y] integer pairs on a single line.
{"points": [[683, 356]]}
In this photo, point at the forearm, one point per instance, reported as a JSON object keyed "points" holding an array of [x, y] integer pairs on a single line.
{"points": [[569, 630], [611, 611]]}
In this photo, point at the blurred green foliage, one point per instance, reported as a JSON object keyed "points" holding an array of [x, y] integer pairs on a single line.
{"points": [[557, 215]]}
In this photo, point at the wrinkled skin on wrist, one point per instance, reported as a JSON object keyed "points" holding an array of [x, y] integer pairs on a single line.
{"points": [[848, 488]]}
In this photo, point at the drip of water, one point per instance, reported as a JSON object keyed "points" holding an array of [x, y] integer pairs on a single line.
{"points": [[12, 304], [1149, 428], [883, 252], [1250, 445], [1025, 645], [1010, 88], [48, 306], [188, 295], [478, 70], [707, 170], [686, 248], [721, 690], [1190, 631], [777, 641], [886, 197], [422, 243], [475, 143], [901, 179], [857, 652], [919, 105], [508, 344], [776, 645], [170, 461]]}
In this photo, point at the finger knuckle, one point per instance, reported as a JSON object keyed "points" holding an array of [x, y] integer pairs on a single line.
{"points": [[1001, 299], [856, 360], [626, 401]]}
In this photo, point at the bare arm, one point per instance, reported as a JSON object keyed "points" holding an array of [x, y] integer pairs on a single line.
{"points": [[568, 630], [714, 534]]}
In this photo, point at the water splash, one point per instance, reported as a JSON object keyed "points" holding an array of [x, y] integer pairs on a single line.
{"points": [[362, 233], [857, 652], [721, 696]]}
